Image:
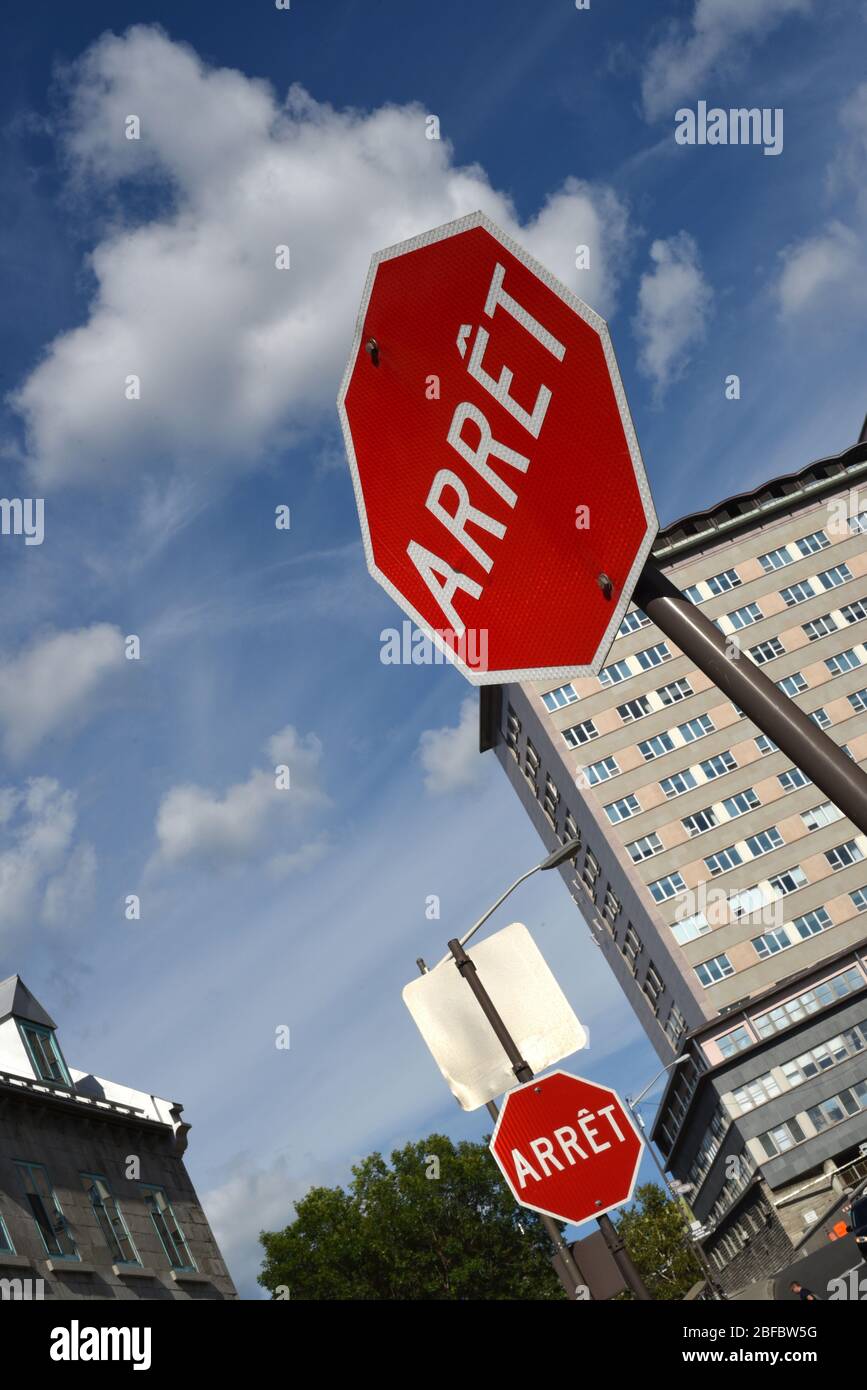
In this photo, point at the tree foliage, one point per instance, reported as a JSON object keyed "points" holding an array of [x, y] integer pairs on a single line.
{"points": [[435, 1222], [656, 1238]]}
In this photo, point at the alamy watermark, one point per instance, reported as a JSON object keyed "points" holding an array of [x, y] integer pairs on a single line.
{"points": [[23, 516], [738, 126], [409, 646]]}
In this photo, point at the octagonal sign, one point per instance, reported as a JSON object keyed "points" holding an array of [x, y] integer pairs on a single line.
{"points": [[500, 488], [567, 1147]]}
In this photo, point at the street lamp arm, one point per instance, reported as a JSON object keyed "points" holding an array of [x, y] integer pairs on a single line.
{"points": [[490, 912]]}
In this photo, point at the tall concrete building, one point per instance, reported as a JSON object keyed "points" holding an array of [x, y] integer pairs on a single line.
{"points": [[727, 893], [95, 1201]]}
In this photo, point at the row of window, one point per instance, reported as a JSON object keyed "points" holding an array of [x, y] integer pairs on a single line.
{"points": [[56, 1233], [833, 1111], [803, 1068], [782, 1016]]}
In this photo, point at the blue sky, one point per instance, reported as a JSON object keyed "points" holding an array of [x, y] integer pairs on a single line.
{"points": [[156, 257]]}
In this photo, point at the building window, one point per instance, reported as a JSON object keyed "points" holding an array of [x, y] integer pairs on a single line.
{"points": [[701, 821], [513, 733], [634, 709], [653, 656], [580, 733], [789, 881], [776, 560], [47, 1212], [770, 943], [645, 848], [718, 766], [653, 986], [825, 1055], [557, 699], [6, 1246], [696, 728], [678, 783], [764, 842], [841, 856], [745, 901], [765, 745], [611, 906], [820, 816], [854, 612], [694, 594], [710, 972], [745, 617], [721, 583], [812, 923], [844, 661], [551, 800], [798, 593], [858, 701], [571, 832], [858, 523], [590, 871], [735, 1041], [766, 651], [44, 1053], [675, 1025], [617, 811], [819, 717], [756, 1092], [632, 622], [819, 997], [833, 578], [723, 860], [792, 685], [820, 627], [741, 802], [601, 771], [780, 1140], [690, 928], [631, 947], [531, 766], [794, 778], [675, 691], [655, 747], [810, 545], [110, 1219], [838, 1108], [667, 887], [167, 1228], [615, 673], [859, 899]]}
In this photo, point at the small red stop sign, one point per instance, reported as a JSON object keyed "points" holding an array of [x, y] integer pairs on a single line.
{"points": [[567, 1147]]}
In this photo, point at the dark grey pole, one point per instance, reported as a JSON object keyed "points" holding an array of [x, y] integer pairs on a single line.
{"points": [[524, 1072], [809, 748]]}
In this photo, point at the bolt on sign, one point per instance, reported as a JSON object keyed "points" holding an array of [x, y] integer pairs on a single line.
{"points": [[500, 488], [567, 1147]]}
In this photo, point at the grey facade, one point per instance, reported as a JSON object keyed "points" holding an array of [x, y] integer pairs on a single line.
{"points": [[727, 894], [95, 1201]]}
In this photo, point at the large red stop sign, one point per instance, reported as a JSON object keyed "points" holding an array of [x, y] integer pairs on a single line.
{"points": [[502, 497], [567, 1147]]}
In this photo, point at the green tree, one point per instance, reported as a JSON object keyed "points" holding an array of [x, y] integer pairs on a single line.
{"points": [[435, 1222], [656, 1238]]}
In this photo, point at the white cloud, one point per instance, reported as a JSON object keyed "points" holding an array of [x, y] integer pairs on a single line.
{"points": [[674, 301], [252, 1200], [55, 682], [236, 357], [690, 54], [450, 756], [45, 874], [818, 265], [248, 820]]}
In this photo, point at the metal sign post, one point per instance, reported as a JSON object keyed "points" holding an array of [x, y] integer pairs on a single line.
{"points": [[524, 1073]]}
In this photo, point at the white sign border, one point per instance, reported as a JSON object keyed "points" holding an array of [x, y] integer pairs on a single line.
{"points": [[598, 324], [585, 1080]]}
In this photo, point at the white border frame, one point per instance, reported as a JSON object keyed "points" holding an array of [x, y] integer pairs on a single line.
{"points": [[585, 1080], [450, 229]]}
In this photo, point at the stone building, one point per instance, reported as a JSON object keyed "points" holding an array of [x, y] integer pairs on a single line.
{"points": [[95, 1201]]}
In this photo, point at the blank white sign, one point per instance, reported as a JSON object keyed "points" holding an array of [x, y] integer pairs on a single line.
{"points": [[526, 995]]}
